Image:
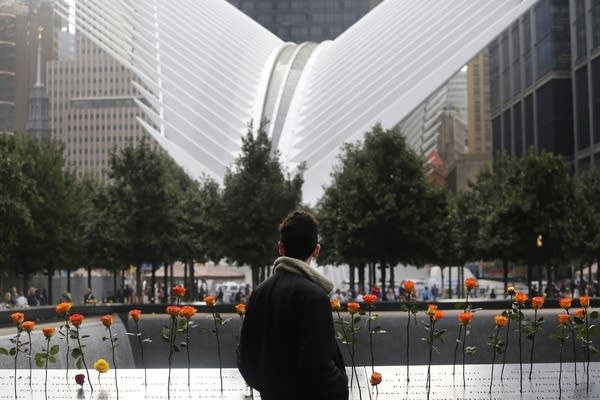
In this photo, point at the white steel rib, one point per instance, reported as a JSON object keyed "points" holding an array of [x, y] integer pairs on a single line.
{"points": [[205, 70]]}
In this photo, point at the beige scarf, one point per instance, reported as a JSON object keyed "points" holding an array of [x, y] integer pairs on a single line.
{"points": [[301, 268]]}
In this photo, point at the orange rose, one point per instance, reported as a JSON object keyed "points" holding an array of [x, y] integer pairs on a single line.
{"points": [[107, 320], [471, 283], [17, 318], [501, 320], [521, 298], [580, 313], [63, 308], [76, 319], [409, 286], [173, 311], [335, 304], [375, 378], [537, 302], [584, 301], [210, 300], [49, 332], [439, 314], [511, 291], [369, 299], [28, 326], [353, 308], [178, 290], [188, 311], [564, 319], [565, 302], [135, 314], [465, 318], [240, 309], [431, 309]]}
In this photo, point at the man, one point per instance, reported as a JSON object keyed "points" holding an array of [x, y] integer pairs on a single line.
{"points": [[88, 297], [287, 347]]}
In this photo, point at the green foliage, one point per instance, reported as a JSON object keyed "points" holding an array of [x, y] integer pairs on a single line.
{"points": [[257, 195], [380, 205]]}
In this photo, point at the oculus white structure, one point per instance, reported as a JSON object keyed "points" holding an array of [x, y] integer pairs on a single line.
{"points": [[205, 70]]}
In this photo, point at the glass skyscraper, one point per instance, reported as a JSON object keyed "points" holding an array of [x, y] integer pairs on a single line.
{"points": [[531, 83]]}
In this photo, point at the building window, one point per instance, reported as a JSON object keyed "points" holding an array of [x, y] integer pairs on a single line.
{"points": [[596, 22], [507, 134], [596, 98], [497, 135], [529, 126], [580, 31], [518, 131], [583, 114]]}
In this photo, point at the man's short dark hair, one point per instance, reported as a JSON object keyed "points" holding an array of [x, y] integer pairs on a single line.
{"points": [[299, 234]]}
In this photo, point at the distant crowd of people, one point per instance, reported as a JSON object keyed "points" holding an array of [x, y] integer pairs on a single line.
{"points": [[17, 299]]}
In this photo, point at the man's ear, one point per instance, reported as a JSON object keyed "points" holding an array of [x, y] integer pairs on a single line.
{"points": [[316, 251], [280, 248]]}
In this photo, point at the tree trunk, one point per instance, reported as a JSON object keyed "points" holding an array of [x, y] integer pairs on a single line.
{"points": [[392, 277], [171, 279], [115, 287], [89, 277], [383, 268], [590, 279], [441, 279], [580, 278], [69, 280], [361, 278], [459, 286], [153, 285], [25, 282], [255, 276], [372, 277], [597, 275], [449, 282], [185, 277], [138, 284], [540, 277], [194, 286], [529, 278], [50, 294], [166, 283], [123, 276], [505, 275], [352, 279]]}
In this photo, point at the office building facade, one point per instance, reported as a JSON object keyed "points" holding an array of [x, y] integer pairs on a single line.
{"points": [[585, 75], [92, 107], [531, 83]]}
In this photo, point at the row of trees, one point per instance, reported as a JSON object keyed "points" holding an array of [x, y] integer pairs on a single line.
{"points": [[379, 210], [148, 212]]}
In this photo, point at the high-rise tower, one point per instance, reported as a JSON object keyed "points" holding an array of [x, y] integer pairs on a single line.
{"points": [[38, 121]]}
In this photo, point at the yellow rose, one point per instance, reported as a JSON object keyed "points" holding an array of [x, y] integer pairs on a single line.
{"points": [[101, 366]]}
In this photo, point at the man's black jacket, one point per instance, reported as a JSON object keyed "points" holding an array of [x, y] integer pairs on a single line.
{"points": [[287, 347]]}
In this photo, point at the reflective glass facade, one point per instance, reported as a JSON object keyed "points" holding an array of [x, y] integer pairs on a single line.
{"points": [[531, 82], [304, 20]]}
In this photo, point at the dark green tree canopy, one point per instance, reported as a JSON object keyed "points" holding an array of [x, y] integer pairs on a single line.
{"points": [[257, 195]]}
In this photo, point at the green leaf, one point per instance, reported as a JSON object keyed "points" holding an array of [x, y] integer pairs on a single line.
{"points": [[39, 363], [79, 363], [54, 349], [3, 351], [52, 359], [12, 351], [76, 352]]}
